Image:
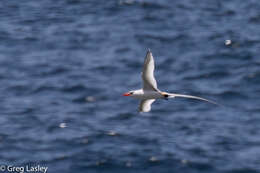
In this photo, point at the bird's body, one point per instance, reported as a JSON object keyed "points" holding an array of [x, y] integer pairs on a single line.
{"points": [[143, 94], [149, 93]]}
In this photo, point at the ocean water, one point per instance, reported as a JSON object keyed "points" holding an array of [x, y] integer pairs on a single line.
{"points": [[65, 64]]}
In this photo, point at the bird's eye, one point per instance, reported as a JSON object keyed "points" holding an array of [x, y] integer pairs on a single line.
{"points": [[131, 93]]}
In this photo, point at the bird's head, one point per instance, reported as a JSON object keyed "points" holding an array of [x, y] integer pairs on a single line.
{"points": [[130, 93]]}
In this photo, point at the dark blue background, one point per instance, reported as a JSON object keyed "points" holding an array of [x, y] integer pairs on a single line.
{"points": [[69, 61]]}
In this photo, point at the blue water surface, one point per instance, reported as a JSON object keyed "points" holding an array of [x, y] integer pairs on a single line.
{"points": [[65, 64]]}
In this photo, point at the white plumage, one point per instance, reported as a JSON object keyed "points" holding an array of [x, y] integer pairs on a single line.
{"points": [[149, 93]]}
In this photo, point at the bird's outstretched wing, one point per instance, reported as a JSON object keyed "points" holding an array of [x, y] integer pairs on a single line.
{"points": [[145, 105], [149, 82], [172, 95]]}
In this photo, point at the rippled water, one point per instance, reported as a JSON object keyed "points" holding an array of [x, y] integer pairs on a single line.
{"points": [[65, 64]]}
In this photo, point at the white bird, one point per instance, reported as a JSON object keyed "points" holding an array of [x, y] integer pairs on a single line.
{"points": [[149, 93]]}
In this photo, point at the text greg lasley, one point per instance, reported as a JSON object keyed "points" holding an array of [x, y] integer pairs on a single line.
{"points": [[27, 168]]}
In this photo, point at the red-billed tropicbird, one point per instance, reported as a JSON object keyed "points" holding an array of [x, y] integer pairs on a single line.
{"points": [[149, 93]]}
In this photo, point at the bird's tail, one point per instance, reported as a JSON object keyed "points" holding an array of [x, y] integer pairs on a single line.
{"points": [[172, 95]]}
